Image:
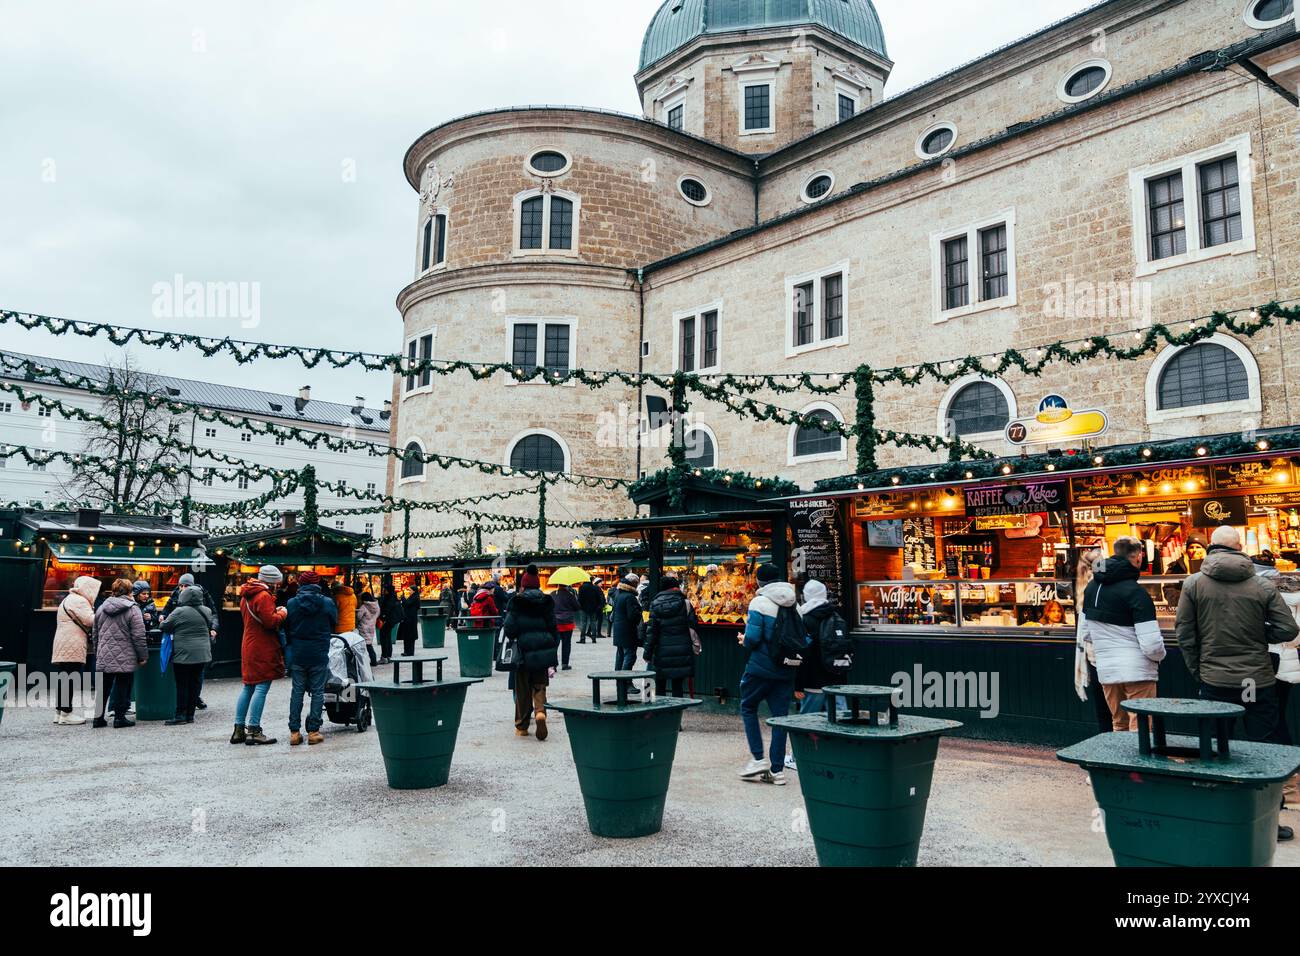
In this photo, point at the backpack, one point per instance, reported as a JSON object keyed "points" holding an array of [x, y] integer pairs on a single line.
{"points": [[789, 639], [836, 644]]}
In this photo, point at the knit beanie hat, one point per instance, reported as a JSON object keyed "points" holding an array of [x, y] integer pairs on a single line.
{"points": [[186, 581], [270, 574], [309, 577], [768, 573], [140, 587]]}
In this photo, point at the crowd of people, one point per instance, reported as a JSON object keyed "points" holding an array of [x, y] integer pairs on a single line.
{"points": [[1237, 624]]}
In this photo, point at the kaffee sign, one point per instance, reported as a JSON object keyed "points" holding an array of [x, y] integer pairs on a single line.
{"points": [[1032, 497]]}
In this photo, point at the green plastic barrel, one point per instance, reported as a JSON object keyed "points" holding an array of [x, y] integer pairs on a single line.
{"points": [[474, 646], [865, 789], [417, 725], [433, 630], [155, 690], [624, 754], [1180, 803], [8, 683]]}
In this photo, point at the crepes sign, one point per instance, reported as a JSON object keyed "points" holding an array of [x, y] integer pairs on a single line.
{"points": [[1024, 498]]}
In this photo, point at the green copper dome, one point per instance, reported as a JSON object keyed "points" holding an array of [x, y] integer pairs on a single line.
{"points": [[678, 22]]}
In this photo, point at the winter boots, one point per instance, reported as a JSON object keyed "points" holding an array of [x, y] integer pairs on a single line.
{"points": [[255, 738], [239, 736]]}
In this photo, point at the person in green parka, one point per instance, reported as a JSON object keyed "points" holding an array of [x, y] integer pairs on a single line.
{"points": [[193, 632]]}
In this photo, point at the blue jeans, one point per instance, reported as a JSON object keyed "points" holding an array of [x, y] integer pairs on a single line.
{"points": [[777, 693], [311, 679], [814, 702], [248, 709], [624, 658]]}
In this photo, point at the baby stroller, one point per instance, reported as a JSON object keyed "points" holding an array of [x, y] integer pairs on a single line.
{"points": [[349, 666]]}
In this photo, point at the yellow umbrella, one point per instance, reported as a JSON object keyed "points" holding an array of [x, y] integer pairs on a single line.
{"points": [[570, 576]]}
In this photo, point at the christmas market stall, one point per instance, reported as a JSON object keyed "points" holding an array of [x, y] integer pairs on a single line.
{"points": [[712, 530], [337, 556], [974, 569], [44, 552]]}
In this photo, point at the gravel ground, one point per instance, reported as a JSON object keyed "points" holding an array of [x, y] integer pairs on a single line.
{"points": [[156, 795]]}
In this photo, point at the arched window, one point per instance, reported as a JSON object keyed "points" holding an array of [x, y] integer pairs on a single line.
{"points": [[811, 442], [537, 452], [700, 450], [1205, 374], [546, 221], [413, 461], [980, 408]]}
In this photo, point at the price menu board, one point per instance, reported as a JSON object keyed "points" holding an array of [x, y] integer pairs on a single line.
{"points": [[818, 547]]}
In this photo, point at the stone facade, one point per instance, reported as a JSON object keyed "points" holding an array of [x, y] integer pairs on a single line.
{"points": [[1068, 180]]}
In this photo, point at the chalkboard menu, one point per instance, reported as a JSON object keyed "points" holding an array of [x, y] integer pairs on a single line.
{"points": [[920, 544], [818, 551]]}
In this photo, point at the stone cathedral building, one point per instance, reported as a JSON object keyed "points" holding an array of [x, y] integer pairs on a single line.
{"points": [[779, 208]]}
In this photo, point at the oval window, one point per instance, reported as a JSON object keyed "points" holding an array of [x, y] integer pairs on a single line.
{"points": [[936, 141], [818, 187], [1263, 14], [548, 162], [1085, 80], [694, 191]]}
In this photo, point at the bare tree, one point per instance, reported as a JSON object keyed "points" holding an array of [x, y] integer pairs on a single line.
{"points": [[136, 473]]}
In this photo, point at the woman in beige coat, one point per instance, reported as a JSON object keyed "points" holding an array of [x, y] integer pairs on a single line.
{"points": [[72, 633]]}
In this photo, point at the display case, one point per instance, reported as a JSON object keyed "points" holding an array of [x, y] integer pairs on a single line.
{"points": [[1165, 592], [1040, 604]]}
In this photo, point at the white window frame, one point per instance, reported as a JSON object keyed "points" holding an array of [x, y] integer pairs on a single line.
{"points": [[431, 333], [415, 479], [562, 171], [813, 200], [928, 131], [698, 316], [446, 235], [708, 193], [974, 267], [671, 104], [848, 92], [1187, 166], [768, 80], [541, 321], [547, 197], [960, 385], [209, 432], [815, 278], [1255, 23], [841, 455], [1065, 97], [1253, 405], [564, 446], [692, 426]]}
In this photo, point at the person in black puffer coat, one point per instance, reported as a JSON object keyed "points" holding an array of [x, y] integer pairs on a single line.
{"points": [[669, 650], [813, 674], [530, 622]]}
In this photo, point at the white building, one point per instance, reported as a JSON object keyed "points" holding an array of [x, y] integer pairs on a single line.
{"points": [[35, 427]]}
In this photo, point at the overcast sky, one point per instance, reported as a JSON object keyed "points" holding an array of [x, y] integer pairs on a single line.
{"points": [[260, 142]]}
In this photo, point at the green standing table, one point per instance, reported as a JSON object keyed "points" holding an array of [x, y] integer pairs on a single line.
{"points": [[865, 775], [624, 754], [155, 689], [433, 627], [474, 647], [1186, 801], [8, 683], [418, 720]]}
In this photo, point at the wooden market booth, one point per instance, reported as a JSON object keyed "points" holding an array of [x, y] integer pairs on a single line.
{"points": [[972, 570], [43, 552]]}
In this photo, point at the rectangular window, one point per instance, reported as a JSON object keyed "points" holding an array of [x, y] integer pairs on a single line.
{"points": [[38, 465], [411, 354], [530, 223], [42, 412], [207, 480], [1220, 202], [710, 340], [338, 525], [245, 437], [1167, 219], [557, 348], [525, 346], [426, 354], [956, 285], [676, 116], [243, 484], [561, 223], [833, 306], [758, 107], [993, 249], [370, 529], [426, 245], [803, 314], [440, 239], [686, 351], [279, 439], [6, 407], [370, 487], [209, 433], [848, 106]]}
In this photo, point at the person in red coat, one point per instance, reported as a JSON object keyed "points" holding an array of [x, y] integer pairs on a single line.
{"points": [[261, 653]]}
